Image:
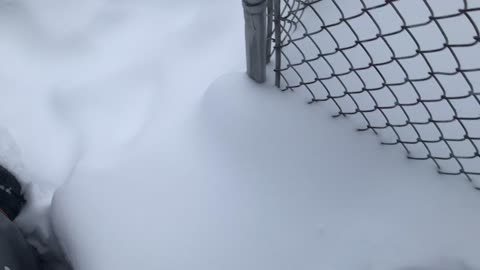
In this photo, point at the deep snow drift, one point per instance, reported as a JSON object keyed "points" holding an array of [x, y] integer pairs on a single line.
{"points": [[158, 174], [81, 90], [236, 185]]}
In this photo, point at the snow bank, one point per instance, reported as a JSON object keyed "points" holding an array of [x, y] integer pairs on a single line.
{"points": [[81, 79], [254, 179]]}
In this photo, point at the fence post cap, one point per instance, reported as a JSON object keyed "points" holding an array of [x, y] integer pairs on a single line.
{"points": [[254, 6], [254, 2]]}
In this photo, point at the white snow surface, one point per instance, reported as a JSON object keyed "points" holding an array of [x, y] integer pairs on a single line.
{"points": [[104, 108], [241, 184]]}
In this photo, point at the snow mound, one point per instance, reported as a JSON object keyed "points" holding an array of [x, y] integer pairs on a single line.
{"points": [[254, 179]]}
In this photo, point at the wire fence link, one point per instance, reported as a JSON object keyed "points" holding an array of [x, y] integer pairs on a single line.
{"points": [[408, 70]]}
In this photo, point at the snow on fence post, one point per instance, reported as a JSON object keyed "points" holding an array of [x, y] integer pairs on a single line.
{"points": [[256, 38]]}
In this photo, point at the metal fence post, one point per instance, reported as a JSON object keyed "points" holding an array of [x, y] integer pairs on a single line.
{"points": [[256, 38], [269, 29]]}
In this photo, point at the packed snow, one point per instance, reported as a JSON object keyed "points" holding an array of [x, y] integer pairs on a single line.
{"points": [[138, 152]]}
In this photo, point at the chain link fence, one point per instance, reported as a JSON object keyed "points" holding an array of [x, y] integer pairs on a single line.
{"points": [[407, 70]]}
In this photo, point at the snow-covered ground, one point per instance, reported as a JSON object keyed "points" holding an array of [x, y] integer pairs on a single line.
{"points": [[79, 80], [111, 106], [236, 185]]}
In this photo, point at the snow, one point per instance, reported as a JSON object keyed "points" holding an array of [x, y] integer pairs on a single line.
{"points": [[79, 91], [108, 114], [236, 185]]}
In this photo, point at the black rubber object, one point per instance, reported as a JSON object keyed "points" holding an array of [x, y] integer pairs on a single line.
{"points": [[11, 196]]}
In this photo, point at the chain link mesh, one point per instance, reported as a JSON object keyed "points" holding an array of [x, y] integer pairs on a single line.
{"points": [[408, 70]]}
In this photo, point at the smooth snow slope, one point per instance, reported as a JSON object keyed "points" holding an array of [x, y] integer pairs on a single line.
{"points": [[80, 79], [255, 179]]}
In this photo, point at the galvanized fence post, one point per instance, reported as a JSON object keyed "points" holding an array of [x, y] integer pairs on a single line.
{"points": [[269, 29], [256, 38]]}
